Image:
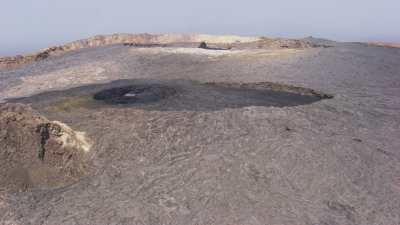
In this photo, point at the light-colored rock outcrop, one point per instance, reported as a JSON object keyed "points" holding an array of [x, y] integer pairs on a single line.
{"points": [[38, 153]]}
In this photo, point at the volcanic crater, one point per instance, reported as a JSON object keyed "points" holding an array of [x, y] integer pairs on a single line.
{"points": [[177, 95]]}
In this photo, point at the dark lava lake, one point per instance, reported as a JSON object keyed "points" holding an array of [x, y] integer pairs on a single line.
{"points": [[176, 95]]}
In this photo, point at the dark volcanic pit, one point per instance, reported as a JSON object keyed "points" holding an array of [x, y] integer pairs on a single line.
{"points": [[134, 94], [175, 95]]}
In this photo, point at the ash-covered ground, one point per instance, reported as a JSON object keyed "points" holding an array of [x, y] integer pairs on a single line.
{"points": [[126, 134]]}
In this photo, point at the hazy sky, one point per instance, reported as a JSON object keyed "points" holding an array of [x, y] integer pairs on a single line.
{"points": [[28, 25]]}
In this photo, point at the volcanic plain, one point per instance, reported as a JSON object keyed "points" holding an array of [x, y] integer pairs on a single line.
{"points": [[201, 129]]}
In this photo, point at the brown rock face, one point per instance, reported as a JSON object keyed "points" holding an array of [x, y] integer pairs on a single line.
{"points": [[38, 153]]}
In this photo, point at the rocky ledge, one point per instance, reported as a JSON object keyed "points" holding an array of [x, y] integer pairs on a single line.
{"points": [[38, 153]]}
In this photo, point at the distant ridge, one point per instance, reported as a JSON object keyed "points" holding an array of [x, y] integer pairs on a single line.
{"points": [[120, 38], [225, 41], [385, 44]]}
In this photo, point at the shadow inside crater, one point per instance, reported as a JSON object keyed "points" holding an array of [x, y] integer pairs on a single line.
{"points": [[175, 95]]}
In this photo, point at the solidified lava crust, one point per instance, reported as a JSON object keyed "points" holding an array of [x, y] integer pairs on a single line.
{"points": [[135, 94]]}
